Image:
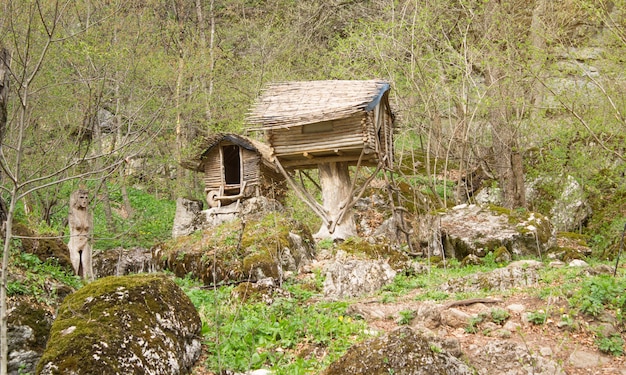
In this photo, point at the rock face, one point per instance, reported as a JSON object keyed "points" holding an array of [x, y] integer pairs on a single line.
{"points": [[518, 274], [258, 245], [120, 262], [472, 229], [190, 217], [571, 209], [187, 218], [140, 324], [401, 352], [28, 330], [354, 277]]}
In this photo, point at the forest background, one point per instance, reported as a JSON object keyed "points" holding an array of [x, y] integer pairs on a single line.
{"points": [[113, 95]]}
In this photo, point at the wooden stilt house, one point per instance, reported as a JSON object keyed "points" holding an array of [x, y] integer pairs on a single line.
{"points": [[235, 167], [314, 122]]}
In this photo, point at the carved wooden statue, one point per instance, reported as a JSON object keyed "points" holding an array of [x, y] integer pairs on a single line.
{"points": [[81, 224]]}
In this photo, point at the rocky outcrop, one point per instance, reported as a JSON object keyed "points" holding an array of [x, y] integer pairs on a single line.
{"points": [[347, 278], [187, 218], [190, 217], [517, 274], [120, 262], [28, 330], [472, 229], [571, 209], [140, 324], [401, 352], [256, 245]]}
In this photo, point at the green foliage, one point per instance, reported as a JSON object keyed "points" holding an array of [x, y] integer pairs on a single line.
{"points": [[538, 317], [472, 325], [247, 336], [599, 293], [406, 316], [613, 344], [36, 276], [151, 221], [499, 316]]}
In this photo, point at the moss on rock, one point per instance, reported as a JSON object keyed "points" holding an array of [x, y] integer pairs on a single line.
{"points": [[397, 259], [137, 324], [43, 248], [401, 352], [237, 250]]}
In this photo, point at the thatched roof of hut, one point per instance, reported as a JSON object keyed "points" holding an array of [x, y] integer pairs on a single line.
{"points": [[195, 163], [287, 104]]}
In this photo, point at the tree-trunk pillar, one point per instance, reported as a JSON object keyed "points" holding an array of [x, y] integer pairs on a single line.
{"points": [[335, 184]]}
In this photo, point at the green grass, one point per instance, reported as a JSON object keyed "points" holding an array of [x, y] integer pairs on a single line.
{"points": [[36, 277], [151, 221], [286, 336]]}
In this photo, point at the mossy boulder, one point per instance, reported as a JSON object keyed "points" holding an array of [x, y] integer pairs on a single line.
{"points": [[274, 244], [211, 256], [397, 259], [472, 229], [139, 324], [252, 249], [29, 325], [400, 352], [44, 246]]}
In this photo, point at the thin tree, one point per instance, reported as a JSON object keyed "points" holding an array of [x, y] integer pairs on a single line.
{"points": [[32, 35]]}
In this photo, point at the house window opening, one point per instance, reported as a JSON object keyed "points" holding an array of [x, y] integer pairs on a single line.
{"points": [[232, 165]]}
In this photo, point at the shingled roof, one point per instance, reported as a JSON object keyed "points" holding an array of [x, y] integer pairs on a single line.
{"points": [[195, 163], [288, 104]]}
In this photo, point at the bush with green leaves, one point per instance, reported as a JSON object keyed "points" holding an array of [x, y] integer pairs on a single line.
{"points": [[538, 317], [36, 276], [499, 316], [250, 335], [599, 293], [613, 344]]}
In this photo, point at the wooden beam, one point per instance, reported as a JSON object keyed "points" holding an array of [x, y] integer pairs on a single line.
{"points": [[322, 159], [304, 195]]}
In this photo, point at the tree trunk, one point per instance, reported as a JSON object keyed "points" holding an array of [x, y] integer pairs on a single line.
{"points": [[335, 183], [503, 90], [5, 219]]}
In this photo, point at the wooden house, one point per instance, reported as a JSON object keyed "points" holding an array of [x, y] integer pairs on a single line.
{"points": [[235, 167], [309, 123]]}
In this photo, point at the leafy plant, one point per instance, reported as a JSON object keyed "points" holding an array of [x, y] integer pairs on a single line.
{"points": [[406, 316], [613, 344], [248, 336], [598, 293], [472, 325], [538, 317], [499, 316], [36, 276]]}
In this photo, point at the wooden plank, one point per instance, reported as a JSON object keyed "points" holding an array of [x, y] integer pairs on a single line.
{"points": [[325, 159]]}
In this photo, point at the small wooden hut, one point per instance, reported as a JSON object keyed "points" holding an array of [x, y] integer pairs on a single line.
{"points": [[315, 122], [235, 167]]}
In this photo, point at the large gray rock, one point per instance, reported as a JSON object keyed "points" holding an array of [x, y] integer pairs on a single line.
{"points": [[523, 273], [400, 352], [139, 324], [28, 330], [571, 209], [120, 262], [347, 278], [472, 229], [508, 357], [190, 217], [187, 218]]}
